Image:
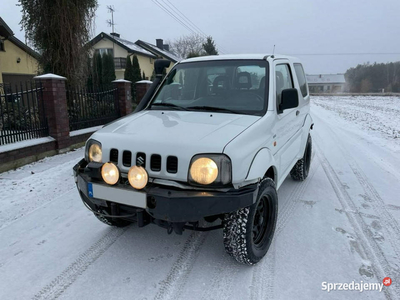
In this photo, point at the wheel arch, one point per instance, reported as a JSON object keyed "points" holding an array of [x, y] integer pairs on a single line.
{"points": [[263, 165]]}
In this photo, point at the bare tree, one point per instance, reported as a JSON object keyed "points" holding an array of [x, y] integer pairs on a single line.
{"points": [[188, 44]]}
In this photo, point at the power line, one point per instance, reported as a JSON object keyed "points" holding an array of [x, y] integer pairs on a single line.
{"points": [[178, 16], [173, 16], [184, 17]]}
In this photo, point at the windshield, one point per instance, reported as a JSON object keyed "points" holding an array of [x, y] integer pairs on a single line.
{"points": [[235, 86]]}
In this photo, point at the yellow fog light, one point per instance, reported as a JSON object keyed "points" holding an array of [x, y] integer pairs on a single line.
{"points": [[95, 153], [204, 170], [138, 177], [110, 173]]}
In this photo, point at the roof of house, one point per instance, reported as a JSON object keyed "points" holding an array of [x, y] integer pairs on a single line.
{"points": [[9, 35], [4, 29], [129, 46], [326, 78], [155, 50]]}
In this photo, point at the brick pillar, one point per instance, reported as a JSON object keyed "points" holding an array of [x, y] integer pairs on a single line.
{"points": [[124, 88], [141, 89], [55, 107]]}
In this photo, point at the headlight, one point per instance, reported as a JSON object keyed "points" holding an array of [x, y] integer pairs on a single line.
{"points": [[93, 151], [110, 173], [210, 169], [138, 177], [204, 170]]}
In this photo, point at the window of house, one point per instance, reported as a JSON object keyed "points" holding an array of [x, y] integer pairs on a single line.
{"points": [[103, 51], [283, 80], [151, 60], [301, 78], [2, 45]]}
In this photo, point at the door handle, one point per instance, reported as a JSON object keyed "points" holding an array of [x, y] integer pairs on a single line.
{"points": [[297, 112]]}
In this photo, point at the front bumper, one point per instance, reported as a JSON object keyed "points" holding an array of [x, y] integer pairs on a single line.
{"points": [[166, 203]]}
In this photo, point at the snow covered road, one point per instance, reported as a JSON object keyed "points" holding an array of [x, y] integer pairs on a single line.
{"points": [[341, 225]]}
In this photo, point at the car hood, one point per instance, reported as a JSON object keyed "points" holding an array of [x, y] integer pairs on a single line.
{"points": [[177, 133], [179, 128]]}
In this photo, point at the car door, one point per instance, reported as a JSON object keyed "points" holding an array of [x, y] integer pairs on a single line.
{"points": [[286, 125]]}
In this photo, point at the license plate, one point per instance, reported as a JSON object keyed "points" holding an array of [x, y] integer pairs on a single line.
{"points": [[118, 195]]}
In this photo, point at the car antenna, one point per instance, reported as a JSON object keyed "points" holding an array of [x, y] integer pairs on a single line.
{"points": [[273, 52]]}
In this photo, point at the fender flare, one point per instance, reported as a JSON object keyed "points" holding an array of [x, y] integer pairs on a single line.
{"points": [[262, 161]]}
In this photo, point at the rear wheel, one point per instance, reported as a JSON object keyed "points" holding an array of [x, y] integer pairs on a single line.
{"points": [[248, 232], [302, 167], [112, 222]]}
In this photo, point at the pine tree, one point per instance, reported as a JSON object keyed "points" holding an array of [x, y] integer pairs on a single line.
{"points": [[108, 69], [128, 69], [209, 47], [136, 70], [97, 70]]}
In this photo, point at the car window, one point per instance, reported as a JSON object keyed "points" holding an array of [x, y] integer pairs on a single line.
{"points": [[237, 86], [301, 78], [283, 80]]}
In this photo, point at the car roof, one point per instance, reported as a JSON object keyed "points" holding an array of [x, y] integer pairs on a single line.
{"points": [[238, 57]]}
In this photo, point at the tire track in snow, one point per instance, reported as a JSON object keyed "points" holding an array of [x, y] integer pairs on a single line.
{"points": [[388, 225], [59, 284], [171, 287], [264, 272], [221, 279], [380, 264]]}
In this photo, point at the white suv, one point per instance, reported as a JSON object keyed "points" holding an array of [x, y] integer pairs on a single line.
{"points": [[207, 148]]}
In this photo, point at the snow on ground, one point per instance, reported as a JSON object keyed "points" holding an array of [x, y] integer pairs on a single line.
{"points": [[373, 114], [340, 225]]}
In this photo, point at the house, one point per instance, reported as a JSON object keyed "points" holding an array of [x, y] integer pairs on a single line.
{"points": [[326, 83], [161, 50], [18, 62], [120, 48]]}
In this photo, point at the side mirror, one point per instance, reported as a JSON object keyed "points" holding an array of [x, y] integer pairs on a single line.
{"points": [[289, 99], [160, 65]]}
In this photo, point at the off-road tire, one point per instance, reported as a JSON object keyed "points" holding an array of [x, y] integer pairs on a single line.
{"points": [[302, 167], [111, 222], [238, 227]]}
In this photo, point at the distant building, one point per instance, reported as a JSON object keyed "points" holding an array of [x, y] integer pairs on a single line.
{"points": [[326, 83], [121, 48], [18, 62]]}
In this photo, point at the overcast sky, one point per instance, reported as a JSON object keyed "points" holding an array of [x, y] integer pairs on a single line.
{"points": [[296, 27]]}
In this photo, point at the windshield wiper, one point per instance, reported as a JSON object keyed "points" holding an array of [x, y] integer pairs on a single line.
{"points": [[212, 108], [168, 105]]}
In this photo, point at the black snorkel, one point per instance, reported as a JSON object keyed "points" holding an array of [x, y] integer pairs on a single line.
{"points": [[159, 66]]}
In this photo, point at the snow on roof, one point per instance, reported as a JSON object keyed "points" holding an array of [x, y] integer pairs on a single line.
{"points": [[165, 53], [131, 45], [326, 78]]}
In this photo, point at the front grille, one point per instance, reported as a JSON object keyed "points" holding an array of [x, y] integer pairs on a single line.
{"points": [[114, 155], [172, 164], [155, 162], [141, 159], [127, 158]]}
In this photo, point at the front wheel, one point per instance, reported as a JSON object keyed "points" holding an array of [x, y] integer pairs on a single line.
{"points": [[248, 232]]}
